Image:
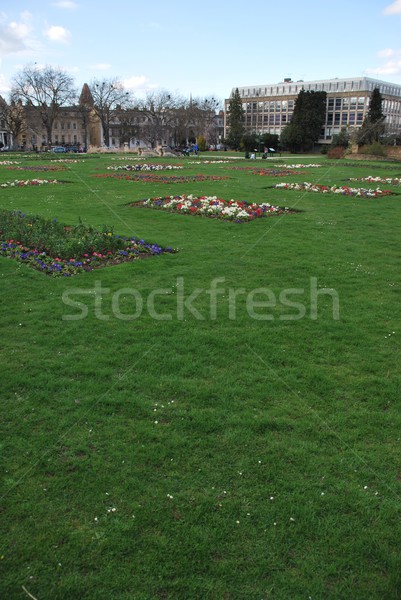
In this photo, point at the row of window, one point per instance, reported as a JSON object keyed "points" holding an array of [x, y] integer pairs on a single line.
{"points": [[271, 119], [347, 102], [62, 125], [272, 105], [344, 118], [34, 139], [353, 102]]}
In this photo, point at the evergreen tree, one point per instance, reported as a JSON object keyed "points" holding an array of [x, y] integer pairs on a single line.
{"points": [[373, 126], [236, 116], [307, 121]]}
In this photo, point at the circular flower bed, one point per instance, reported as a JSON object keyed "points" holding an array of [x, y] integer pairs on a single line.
{"points": [[144, 167], [370, 179], [334, 189], [161, 178], [208, 162], [39, 168], [28, 182], [213, 207]]}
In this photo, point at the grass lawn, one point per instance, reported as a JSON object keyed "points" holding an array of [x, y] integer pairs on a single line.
{"points": [[220, 423]]}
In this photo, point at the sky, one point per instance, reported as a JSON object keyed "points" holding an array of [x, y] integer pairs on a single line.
{"points": [[203, 48]]}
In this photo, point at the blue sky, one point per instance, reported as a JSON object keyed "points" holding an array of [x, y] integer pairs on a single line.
{"points": [[203, 48]]}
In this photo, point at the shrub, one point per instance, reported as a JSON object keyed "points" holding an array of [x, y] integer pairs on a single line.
{"points": [[375, 149], [337, 152], [201, 143]]}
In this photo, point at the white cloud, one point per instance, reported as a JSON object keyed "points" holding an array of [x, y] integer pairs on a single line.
{"points": [[16, 36], [57, 33], [386, 53], [139, 84], [393, 9], [392, 67], [65, 4], [101, 67]]}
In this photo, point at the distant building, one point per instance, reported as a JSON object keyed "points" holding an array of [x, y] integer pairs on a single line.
{"points": [[79, 127], [269, 108]]}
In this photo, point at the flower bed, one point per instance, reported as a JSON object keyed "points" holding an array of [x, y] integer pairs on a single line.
{"points": [[28, 182], [39, 168], [370, 179], [273, 172], [144, 167], [334, 189], [56, 249], [145, 178], [302, 166], [9, 162], [208, 162], [212, 207], [265, 171]]}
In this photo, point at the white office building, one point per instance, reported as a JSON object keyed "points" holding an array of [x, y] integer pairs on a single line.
{"points": [[269, 108]]}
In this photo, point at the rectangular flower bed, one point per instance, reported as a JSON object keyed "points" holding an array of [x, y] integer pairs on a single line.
{"points": [[57, 249]]}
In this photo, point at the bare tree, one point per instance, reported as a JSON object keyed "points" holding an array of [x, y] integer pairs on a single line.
{"points": [[13, 116], [48, 89], [204, 116], [160, 109], [109, 98], [197, 117]]}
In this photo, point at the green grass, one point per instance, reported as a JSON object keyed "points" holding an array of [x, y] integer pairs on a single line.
{"points": [[245, 458]]}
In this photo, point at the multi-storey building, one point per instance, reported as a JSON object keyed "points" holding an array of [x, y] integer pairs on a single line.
{"points": [[269, 108], [79, 127]]}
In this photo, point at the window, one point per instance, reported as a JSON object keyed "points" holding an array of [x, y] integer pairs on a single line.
{"points": [[68, 125], [344, 118], [353, 102], [336, 118], [55, 125], [361, 102], [345, 103], [330, 119], [331, 104], [359, 117], [74, 125], [338, 103], [271, 119], [284, 119], [352, 118]]}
